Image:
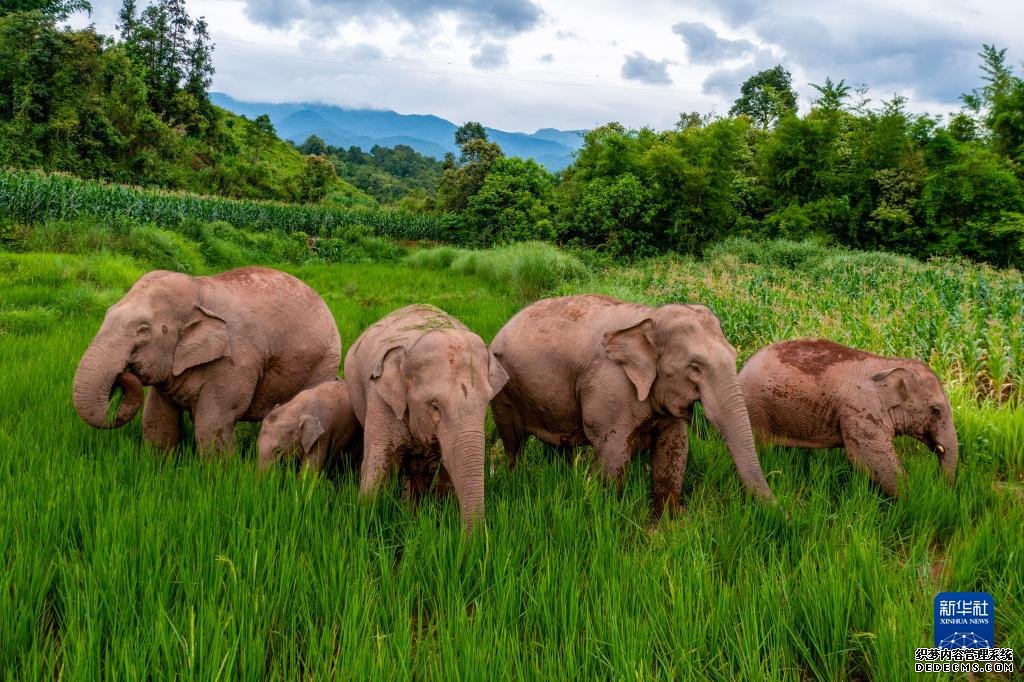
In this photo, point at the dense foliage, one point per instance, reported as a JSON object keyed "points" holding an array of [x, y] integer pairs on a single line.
{"points": [[386, 173], [134, 110], [876, 178]]}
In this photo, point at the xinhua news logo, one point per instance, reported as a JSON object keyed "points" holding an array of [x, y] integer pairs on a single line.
{"points": [[965, 632]]}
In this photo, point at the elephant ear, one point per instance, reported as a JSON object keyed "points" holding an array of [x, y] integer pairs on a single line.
{"points": [[203, 340], [497, 377], [387, 376], [310, 429], [895, 386], [633, 349]]}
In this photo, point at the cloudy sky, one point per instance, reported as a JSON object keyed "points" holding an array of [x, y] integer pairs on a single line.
{"points": [[526, 64]]}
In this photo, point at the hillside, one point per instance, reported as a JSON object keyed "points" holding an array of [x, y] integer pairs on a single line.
{"points": [[429, 135]]}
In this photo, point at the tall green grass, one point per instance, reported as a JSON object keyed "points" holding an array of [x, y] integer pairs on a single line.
{"points": [[964, 319], [38, 197], [527, 269], [118, 562]]}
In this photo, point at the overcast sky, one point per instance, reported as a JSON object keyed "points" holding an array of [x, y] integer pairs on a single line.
{"points": [[527, 64]]}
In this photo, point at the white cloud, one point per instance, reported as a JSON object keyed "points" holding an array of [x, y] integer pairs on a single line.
{"points": [[422, 56]]}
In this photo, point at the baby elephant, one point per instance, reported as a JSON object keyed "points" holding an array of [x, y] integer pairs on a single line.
{"points": [[815, 393], [420, 382], [315, 425]]}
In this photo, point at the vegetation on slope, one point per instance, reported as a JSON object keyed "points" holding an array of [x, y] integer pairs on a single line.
{"points": [[136, 110]]}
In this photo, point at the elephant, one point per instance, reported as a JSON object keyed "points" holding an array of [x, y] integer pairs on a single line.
{"points": [[420, 382], [815, 393], [622, 377], [227, 348], [315, 425]]}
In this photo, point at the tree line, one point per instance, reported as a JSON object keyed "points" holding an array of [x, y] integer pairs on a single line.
{"points": [[847, 172], [135, 109]]}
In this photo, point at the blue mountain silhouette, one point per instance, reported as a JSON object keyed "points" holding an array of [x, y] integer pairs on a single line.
{"points": [[429, 135]]}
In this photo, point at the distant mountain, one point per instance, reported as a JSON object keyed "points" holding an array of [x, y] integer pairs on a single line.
{"points": [[429, 135]]}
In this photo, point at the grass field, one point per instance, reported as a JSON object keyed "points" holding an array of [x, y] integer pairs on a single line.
{"points": [[118, 562]]}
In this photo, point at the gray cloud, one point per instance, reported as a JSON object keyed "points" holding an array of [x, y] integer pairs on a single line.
{"points": [[882, 45], [546, 58], [490, 56], [499, 18], [704, 46], [725, 82], [639, 67]]}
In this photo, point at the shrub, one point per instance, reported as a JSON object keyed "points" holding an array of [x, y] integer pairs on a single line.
{"points": [[529, 268]]}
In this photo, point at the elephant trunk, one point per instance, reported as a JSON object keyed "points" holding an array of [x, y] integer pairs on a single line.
{"points": [[102, 367], [462, 453], [725, 407], [947, 447]]}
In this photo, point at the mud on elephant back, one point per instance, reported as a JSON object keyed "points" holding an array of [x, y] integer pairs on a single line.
{"points": [[815, 393], [226, 348]]}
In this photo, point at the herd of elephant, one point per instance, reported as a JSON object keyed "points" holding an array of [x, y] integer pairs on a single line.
{"points": [[256, 344]]}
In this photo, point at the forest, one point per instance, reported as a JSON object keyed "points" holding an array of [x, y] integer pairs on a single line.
{"points": [[844, 169]]}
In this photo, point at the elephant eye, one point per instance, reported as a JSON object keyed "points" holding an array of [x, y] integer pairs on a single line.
{"points": [[937, 410], [434, 406], [695, 368], [143, 329]]}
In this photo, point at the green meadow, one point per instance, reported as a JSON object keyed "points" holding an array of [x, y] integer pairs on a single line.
{"points": [[117, 561]]}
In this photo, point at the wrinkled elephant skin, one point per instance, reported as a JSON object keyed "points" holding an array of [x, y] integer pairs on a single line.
{"points": [[315, 425], [227, 348], [420, 382], [623, 378]]}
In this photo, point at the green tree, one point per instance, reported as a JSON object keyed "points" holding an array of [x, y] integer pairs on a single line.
{"points": [[766, 97], [58, 10], [461, 180], [468, 132], [832, 95], [512, 204], [316, 178]]}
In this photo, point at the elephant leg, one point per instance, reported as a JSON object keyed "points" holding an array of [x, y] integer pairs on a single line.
{"points": [[383, 438], [613, 447], [161, 420], [215, 414], [506, 418], [668, 465], [872, 450]]}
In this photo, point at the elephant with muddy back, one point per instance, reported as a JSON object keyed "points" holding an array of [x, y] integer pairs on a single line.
{"points": [[227, 348], [624, 378], [815, 393], [420, 381]]}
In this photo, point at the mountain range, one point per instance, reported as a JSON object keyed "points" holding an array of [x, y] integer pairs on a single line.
{"points": [[429, 135]]}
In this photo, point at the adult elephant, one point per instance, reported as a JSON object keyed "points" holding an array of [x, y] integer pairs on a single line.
{"points": [[227, 348], [420, 381], [622, 377]]}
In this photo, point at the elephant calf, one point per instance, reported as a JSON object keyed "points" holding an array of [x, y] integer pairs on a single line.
{"points": [[227, 348], [622, 377], [815, 393], [420, 382], [315, 425]]}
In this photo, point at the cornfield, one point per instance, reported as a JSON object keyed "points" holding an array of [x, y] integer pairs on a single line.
{"points": [[36, 197]]}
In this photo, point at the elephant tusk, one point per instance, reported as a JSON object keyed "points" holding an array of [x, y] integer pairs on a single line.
{"points": [[941, 450]]}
